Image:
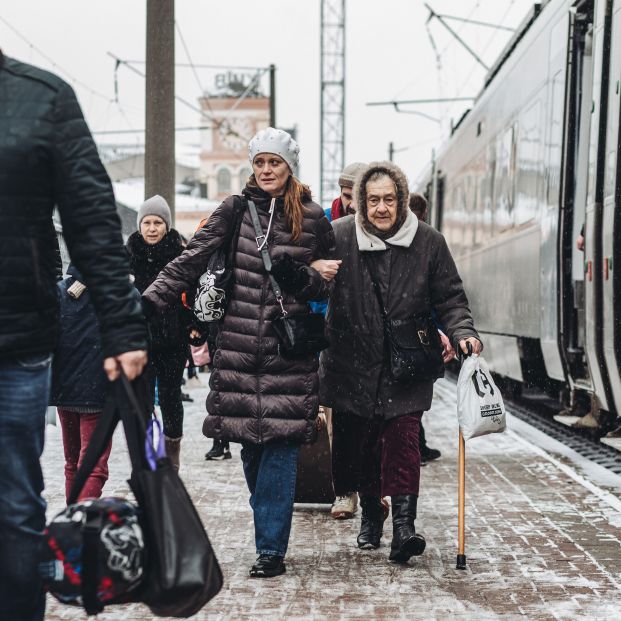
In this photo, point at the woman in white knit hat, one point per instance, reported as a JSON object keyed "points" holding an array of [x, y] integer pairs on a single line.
{"points": [[260, 396], [151, 248]]}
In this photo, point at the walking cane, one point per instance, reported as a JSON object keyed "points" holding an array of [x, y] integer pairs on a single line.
{"points": [[461, 494], [461, 504]]}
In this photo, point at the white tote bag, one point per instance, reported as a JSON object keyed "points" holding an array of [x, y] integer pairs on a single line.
{"points": [[480, 409]]}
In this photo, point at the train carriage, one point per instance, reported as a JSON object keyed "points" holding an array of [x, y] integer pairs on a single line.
{"points": [[527, 167]]}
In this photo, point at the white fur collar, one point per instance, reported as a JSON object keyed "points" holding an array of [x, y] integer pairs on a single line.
{"points": [[367, 242]]}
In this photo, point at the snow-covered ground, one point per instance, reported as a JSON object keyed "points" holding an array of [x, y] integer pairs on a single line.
{"points": [[543, 536]]}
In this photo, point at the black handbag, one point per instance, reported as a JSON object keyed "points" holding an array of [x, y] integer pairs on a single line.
{"points": [[413, 345], [180, 572], [298, 335], [214, 286]]}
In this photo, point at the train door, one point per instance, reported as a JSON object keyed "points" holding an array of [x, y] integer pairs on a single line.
{"points": [[576, 159], [549, 278], [593, 226], [611, 218]]}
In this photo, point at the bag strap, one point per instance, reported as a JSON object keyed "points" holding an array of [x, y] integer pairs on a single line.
{"points": [[91, 537], [100, 438], [262, 246], [376, 287], [134, 426], [233, 237]]}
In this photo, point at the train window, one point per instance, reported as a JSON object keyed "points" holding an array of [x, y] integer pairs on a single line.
{"points": [[528, 164], [488, 192], [505, 175], [555, 139]]}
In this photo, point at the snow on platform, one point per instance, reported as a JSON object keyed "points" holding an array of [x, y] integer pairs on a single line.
{"points": [[542, 536], [614, 442]]}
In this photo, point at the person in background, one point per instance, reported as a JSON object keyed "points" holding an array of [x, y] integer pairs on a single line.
{"points": [[342, 205], [418, 205], [151, 248], [259, 397], [343, 470], [416, 276], [48, 159], [78, 381]]}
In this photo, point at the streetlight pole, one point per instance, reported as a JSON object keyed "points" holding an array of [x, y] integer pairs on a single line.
{"points": [[160, 102]]}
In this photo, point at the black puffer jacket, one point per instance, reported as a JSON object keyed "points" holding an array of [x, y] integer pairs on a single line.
{"points": [[168, 330], [48, 159], [256, 394]]}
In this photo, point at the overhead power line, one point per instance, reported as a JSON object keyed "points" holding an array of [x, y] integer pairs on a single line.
{"points": [[218, 123], [104, 132], [54, 64]]}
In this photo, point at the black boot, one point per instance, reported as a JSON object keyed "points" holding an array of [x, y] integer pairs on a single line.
{"points": [[405, 540], [219, 450], [372, 523]]}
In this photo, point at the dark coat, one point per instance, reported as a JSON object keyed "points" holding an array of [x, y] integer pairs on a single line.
{"points": [[256, 394], [168, 330], [354, 370], [47, 159]]}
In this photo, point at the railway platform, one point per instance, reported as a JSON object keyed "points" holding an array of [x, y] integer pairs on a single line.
{"points": [[543, 535]]}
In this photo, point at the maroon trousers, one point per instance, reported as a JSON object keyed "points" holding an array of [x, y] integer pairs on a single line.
{"points": [[77, 429], [375, 457]]}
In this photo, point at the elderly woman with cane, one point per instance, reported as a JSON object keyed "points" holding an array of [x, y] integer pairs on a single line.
{"points": [[262, 394]]}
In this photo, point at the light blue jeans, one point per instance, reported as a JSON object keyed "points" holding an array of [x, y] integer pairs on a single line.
{"points": [[271, 470], [24, 390]]}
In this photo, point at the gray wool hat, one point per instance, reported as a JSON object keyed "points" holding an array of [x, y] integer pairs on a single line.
{"points": [[155, 206], [349, 174], [276, 141]]}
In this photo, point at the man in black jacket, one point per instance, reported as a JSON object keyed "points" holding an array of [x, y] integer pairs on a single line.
{"points": [[47, 159]]}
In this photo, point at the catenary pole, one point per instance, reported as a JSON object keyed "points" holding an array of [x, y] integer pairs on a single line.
{"points": [[272, 95], [160, 102]]}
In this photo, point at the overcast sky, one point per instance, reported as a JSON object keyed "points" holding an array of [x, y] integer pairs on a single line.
{"points": [[389, 56]]}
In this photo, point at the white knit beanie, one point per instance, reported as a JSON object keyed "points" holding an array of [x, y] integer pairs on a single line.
{"points": [[155, 206], [276, 141]]}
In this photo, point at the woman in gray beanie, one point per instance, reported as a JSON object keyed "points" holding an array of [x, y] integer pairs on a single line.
{"points": [[151, 248], [259, 397]]}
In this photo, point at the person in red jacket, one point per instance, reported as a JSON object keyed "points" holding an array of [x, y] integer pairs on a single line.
{"points": [[343, 204]]}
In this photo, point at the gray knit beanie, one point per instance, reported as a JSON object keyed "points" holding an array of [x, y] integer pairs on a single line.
{"points": [[348, 176], [276, 141], [155, 206]]}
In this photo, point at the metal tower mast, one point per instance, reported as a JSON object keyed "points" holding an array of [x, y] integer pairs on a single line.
{"points": [[332, 97]]}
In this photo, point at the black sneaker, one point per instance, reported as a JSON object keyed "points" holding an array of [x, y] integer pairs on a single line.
{"points": [[186, 397], [219, 450], [268, 566], [429, 454]]}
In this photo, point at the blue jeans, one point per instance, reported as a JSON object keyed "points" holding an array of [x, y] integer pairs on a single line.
{"points": [[271, 471], [24, 391]]}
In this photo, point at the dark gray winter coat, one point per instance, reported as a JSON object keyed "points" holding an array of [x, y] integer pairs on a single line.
{"points": [[256, 394], [414, 280]]}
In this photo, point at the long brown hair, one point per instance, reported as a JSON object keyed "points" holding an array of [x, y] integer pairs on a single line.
{"points": [[296, 194]]}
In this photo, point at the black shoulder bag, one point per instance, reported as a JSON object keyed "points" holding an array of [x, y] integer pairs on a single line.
{"points": [[298, 335], [413, 345], [214, 286]]}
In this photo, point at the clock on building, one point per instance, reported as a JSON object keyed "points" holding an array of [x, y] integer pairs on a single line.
{"points": [[235, 134]]}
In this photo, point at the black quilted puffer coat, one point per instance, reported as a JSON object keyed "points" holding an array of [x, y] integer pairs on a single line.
{"points": [[256, 395], [47, 159]]}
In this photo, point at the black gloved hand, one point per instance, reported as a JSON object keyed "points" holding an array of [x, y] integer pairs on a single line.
{"points": [[291, 275]]}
